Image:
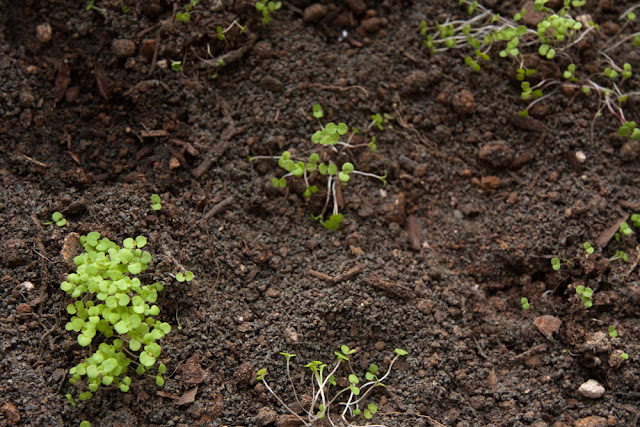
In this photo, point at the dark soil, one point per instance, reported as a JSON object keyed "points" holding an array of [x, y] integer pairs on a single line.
{"points": [[478, 202]]}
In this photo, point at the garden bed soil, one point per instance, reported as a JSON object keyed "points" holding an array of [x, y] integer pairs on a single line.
{"points": [[478, 201]]}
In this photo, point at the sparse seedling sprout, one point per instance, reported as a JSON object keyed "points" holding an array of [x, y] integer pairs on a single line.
{"points": [[332, 138], [525, 303], [186, 15], [176, 66], [557, 34], [58, 219], [266, 8], [112, 301], [624, 356], [612, 331], [555, 263], [156, 204], [584, 294], [587, 247], [317, 111], [328, 396], [625, 230]]}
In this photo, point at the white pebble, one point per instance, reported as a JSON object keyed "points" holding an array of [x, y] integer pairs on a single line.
{"points": [[591, 389]]}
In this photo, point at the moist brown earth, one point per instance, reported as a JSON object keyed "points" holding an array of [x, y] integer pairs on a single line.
{"points": [[478, 201]]}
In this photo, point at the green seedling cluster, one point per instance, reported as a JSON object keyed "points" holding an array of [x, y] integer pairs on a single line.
{"points": [[114, 304], [267, 8], [186, 15], [327, 395], [525, 303], [584, 294], [555, 38], [555, 263], [330, 138]]}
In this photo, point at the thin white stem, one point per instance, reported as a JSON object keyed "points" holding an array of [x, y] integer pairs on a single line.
{"points": [[284, 404]]}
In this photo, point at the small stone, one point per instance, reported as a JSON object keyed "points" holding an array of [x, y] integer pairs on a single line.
{"points": [[147, 47], [11, 413], [44, 33], [416, 81], [548, 325], [263, 49], [630, 151], [591, 389], [24, 309], [512, 198], [266, 416], [243, 374], [291, 336], [489, 182], [26, 99], [174, 163], [597, 342], [271, 83], [123, 48], [288, 421], [497, 153], [592, 421], [463, 102], [314, 13], [420, 170], [580, 157], [358, 6], [272, 292], [372, 25], [379, 345]]}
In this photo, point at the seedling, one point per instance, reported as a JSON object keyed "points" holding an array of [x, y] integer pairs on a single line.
{"points": [[186, 15], [612, 331], [333, 138], [58, 219], [587, 247], [624, 356], [176, 66], [266, 8], [525, 303], [584, 294], [620, 255], [555, 263], [156, 204], [186, 276], [220, 32], [326, 395], [112, 301]]}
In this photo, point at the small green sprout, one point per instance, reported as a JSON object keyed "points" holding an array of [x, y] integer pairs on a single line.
{"points": [[635, 220], [472, 63], [186, 15], [569, 74], [587, 247], [555, 263], [624, 356], [612, 331], [625, 230], [85, 424], [584, 294], [377, 120], [69, 397], [58, 219], [176, 66], [525, 303], [317, 111], [266, 8], [611, 73], [186, 276], [156, 204]]}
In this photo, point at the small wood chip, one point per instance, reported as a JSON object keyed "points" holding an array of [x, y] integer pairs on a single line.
{"points": [[396, 289], [415, 235], [547, 325], [188, 396], [609, 232]]}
